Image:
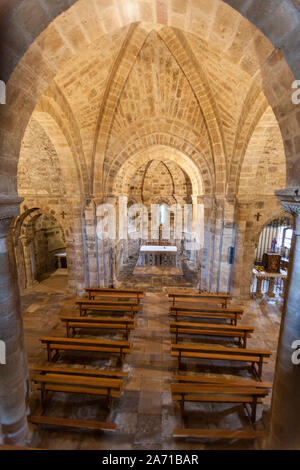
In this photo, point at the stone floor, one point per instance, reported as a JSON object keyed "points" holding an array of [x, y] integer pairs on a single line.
{"points": [[144, 414]]}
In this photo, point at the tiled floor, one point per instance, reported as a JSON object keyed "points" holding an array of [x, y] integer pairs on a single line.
{"points": [[144, 414]]}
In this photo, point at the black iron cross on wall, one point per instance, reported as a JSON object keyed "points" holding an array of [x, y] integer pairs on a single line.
{"points": [[258, 216]]}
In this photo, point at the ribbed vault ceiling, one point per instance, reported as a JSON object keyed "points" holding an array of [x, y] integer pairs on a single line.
{"points": [[148, 82]]}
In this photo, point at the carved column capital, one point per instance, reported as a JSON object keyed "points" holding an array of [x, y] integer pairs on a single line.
{"points": [[290, 200], [9, 208]]}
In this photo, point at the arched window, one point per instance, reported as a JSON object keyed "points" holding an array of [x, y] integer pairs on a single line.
{"points": [[287, 238], [163, 214], [275, 237]]}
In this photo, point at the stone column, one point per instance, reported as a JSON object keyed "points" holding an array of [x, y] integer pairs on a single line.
{"points": [[285, 413], [198, 220], [76, 232], [122, 219], [271, 287], [14, 390], [205, 253], [217, 234], [227, 241], [259, 281], [284, 284], [91, 244]]}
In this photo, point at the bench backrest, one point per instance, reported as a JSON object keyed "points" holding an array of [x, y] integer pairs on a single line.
{"points": [[200, 309], [217, 389], [220, 350], [111, 308], [85, 342], [109, 289], [80, 372], [78, 380], [220, 380], [211, 326], [112, 320], [199, 295], [106, 302]]}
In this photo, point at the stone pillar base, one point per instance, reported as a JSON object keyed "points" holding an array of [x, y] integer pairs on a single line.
{"points": [[16, 434]]}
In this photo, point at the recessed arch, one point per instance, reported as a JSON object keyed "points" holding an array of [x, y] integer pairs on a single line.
{"points": [[118, 183], [66, 164], [276, 214], [263, 168], [35, 251]]}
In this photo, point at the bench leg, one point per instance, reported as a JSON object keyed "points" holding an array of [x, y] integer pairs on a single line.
{"points": [[49, 353], [122, 357], [55, 356], [257, 372], [245, 341], [182, 412], [248, 411], [109, 400], [253, 370], [253, 407], [179, 361], [43, 397], [127, 333], [260, 366]]}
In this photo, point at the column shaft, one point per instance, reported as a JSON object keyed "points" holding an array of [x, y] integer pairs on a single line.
{"points": [[285, 414], [14, 390]]}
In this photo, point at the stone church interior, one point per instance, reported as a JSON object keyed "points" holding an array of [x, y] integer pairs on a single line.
{"points": [[149, 224]]}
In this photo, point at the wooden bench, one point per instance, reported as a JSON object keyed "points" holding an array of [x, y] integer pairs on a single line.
{"points": [[197, 351], [55, 380], [204, 297], [86, 305], [72, 423], [125, 325], [222, 381], [84, 381], [8, 447], [114, 293], [219, 393], [85, 345], [116, 374], [233, 314], [219, 433], [209, 329], [83, 372]]}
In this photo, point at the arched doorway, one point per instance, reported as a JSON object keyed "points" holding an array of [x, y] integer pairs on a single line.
{"points": [[40, 247], [272, 256]]}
